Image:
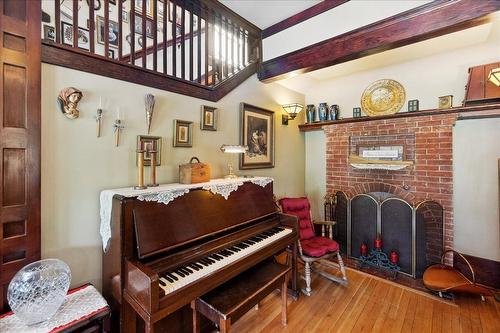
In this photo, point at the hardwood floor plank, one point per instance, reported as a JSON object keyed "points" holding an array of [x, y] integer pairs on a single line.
{"points": [[371, 305]]}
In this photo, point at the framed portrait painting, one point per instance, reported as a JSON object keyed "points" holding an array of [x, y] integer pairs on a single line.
{"points": [[183, 133], [257, 132], [208, 118]]}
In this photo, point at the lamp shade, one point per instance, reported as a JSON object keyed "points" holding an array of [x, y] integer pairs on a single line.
{"points": [[494, 76], [292, 109], [234, 149]]}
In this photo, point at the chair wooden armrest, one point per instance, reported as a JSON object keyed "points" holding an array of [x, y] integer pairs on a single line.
{"points": [[332, 223]]}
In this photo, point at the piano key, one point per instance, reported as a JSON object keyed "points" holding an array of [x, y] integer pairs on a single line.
{"points": [[172, 276], [216, 261], [169, 279]]}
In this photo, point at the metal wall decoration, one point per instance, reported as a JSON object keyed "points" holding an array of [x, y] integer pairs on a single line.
{"points": [[383, 97], [149, 102], [208, 118], [67, 100]]}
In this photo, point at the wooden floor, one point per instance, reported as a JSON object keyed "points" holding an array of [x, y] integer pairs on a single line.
{"points": [[370, 304]]}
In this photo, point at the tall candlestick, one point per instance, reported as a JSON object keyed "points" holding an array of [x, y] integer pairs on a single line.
{"points": [[118, 126], [140, 170], [152, 169], [98, 119]]}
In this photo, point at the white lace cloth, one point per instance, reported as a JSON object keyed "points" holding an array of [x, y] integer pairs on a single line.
{"points": [[165, 194], [82, 303]]}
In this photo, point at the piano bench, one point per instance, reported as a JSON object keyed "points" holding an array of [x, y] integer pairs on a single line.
{"points": [[228, 302]]}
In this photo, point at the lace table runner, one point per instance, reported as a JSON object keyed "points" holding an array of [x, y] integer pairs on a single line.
{"points": [[80, 304], [165, 194]]}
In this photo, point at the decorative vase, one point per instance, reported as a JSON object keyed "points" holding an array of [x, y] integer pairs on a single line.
{"points": [[333, 112], [38, 290], [323, 111], [310, 113]]}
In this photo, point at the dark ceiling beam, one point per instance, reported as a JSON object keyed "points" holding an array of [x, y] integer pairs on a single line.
{"points": [[302, 16], [431, 20]]}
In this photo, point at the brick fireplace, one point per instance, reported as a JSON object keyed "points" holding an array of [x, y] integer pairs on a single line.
{"points": [[429, 178]]}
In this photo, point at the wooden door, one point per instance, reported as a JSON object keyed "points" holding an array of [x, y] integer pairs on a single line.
{"points": [[20, 66]]}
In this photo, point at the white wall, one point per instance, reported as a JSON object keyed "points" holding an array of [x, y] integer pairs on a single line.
{"points": [[476, 146], [334, 22], [425, 79], [76, 165]]}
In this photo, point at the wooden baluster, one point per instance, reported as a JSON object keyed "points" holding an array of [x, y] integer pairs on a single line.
{"points": [[106, 28], [174, 39], [155, 35], [244, 48], [165, 21], [239, 48], [191, 43], [57, 9], [144, 47], [207, 43], [75, 24], [132, 32], [183, 44], [198, 30], [232, 46], [235, 50], [91, 26], [219, 63], [120, 28], [226, 47]]}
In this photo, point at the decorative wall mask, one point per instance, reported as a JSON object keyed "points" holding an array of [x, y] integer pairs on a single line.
{"points": [[149, 103], [67, 100]]}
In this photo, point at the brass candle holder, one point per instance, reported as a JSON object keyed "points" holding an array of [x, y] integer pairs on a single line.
{"points": [[98, 119], [118, 126], [152, 169], [140, 170]]}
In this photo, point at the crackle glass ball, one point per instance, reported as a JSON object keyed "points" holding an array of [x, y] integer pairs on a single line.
{"points": [[38, 290]]}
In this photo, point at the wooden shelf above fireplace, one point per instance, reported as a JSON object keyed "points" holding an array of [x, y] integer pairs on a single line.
{"points": [[462, 109]]}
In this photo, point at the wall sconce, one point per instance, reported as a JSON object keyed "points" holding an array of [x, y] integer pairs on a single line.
{"points": [[292, 110], [494, 76], [232, 149]]}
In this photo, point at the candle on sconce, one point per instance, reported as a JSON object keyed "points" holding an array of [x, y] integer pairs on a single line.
{"points": [[118, 113], [100, 102], [394, 257], [378, 243]]}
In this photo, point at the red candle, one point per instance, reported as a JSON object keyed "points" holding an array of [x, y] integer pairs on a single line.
{"points": [[378, 243], [394, 257], [363, 249]]}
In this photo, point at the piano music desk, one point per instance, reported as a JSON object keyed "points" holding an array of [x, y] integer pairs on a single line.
{"points": [[228, 302]]}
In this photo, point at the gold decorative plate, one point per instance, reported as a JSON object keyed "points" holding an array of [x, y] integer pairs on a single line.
{"points": [[383, 97]]}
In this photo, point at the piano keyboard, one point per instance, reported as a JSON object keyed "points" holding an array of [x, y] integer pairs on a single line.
{"points": [[189, 273]]}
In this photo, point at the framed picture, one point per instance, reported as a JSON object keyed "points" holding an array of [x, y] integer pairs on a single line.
{"points": [[112, 32], [148, 144], [124, 16], [49, 32], [413, 105], [445, 102], [111, 53], [257, 132], [208, 118], [138, 26], [356, 112], [183, 133], [149, 7], [67, 36]]}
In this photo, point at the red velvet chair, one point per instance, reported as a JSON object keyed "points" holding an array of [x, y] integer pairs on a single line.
{"points": [[314, 250]]}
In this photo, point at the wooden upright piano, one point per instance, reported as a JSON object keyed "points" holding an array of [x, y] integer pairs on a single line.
{"points": [[162, 256]]}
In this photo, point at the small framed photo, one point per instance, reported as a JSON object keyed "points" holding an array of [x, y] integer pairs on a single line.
{"points": [[112, 32], [111, 53], [445, 102], [413, 105], [257, 132], [208, 118], [148, 144], [138, 26], [49, 32], [149, 7], [67, 36], [124, 16], [183, 133], [356, 112]]}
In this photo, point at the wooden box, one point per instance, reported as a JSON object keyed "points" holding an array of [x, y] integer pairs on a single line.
{"points": [[193, 173]]}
